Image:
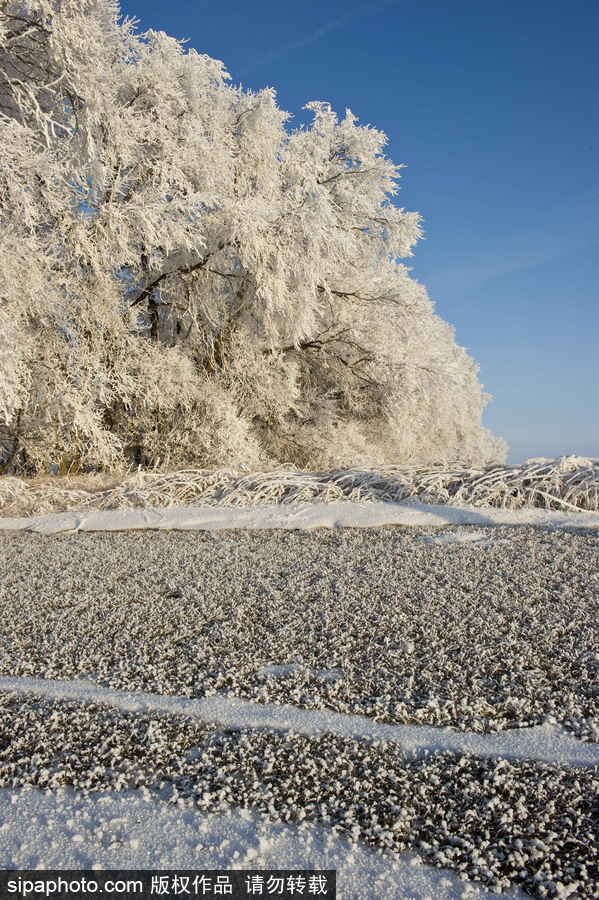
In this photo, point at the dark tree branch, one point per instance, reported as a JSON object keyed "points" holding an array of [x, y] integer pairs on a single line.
{"points": [[319, 342], [217, 357], [184, 270], [237, 121], [30, 23], [344, 172], [355, 296], [137, 185], [225, 274], [137, 94]]}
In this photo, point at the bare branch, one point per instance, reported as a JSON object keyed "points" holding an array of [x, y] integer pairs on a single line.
{"points": [[183, 270], [360, 171], [352, 294], [226, 274]]}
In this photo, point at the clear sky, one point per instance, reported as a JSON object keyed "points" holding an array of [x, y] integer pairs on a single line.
{"points": [[494, 109]]}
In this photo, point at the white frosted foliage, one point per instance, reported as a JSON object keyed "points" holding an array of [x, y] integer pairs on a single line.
{"points": [[187, 280]]}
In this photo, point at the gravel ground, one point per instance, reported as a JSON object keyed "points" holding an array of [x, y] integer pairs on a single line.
{"points": [[480, 636]]}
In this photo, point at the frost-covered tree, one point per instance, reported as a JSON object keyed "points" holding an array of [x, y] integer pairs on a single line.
{"points": [[185, 280]]}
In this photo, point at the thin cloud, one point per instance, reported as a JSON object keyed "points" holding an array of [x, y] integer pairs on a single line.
{"points": [[525, 249], [354, 15]]}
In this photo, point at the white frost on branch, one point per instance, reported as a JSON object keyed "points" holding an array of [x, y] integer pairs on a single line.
{"points": [[186, 281]]}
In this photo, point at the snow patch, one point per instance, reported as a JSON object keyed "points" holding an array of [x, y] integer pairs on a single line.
{"points": [[139, 830], [289, 668], [548, 742], [476, 538], [338, 514]]}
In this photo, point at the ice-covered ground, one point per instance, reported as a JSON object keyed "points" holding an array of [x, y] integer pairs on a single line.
{"points": [[131, 829]]}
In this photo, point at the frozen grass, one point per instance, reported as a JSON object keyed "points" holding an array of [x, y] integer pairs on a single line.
{"points": [[568, 483]]}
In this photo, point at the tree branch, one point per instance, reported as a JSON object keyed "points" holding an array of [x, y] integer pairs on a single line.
{"points": [[217, 356], [383, 297], [225, 274], [137, 185], [318, 343], [344, 172], [184, 270]]}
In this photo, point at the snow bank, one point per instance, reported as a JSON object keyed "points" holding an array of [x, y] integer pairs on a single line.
{"points": [[296, 515]]}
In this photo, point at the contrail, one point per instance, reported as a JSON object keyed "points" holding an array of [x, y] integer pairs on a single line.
{"points": [[334, 25]]}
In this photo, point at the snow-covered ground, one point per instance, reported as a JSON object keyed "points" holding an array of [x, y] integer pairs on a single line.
{"points": [[133, 829]]}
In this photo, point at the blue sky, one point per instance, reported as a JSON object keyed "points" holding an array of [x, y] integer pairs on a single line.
{"points": [[494, 109]]}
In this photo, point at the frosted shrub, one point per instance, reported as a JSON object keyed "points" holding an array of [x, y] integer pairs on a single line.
{"points": [[567, 484]]}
